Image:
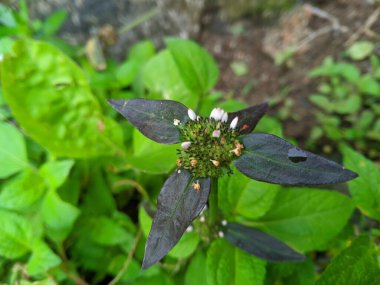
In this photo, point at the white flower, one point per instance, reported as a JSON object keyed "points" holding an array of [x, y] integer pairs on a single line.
{"points": [[224, 223], [192, 115], [234, 123], [219, 115], [202, 219], [221, 234], [216, 134], [224, 117], [189, 229], [185, 145], [176, 122]]}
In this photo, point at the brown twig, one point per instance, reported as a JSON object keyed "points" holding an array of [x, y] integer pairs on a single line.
{"points": [[366, 28], [125, 266]]}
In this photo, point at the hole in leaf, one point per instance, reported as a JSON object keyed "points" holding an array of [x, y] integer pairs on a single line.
{"points": [[296, 155]]}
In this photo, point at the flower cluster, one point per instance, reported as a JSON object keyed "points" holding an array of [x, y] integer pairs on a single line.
{"points": [[208, 147]]}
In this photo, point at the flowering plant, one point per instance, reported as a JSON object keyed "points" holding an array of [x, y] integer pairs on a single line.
{"points": [[208, 147]]}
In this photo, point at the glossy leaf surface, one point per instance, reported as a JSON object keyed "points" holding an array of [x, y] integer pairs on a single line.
{"points": [[248, 118], [153, 118], [260, 244], [266, 158], [178, 205]]}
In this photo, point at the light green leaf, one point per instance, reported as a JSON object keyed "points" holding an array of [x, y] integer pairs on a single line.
{"points": [[51, 99], [108, 232], [360, 50], [54, 22], [22, 192], [369, 85], [229, 265], [16, 235], [56, 172], [365, 189], [239, 195], [356, 265], [150, 156], [349, 105], [162, 76], [186, 246], [307, 218], [42, 259], [322, 102], [12, 150], [196, 273], [145, 221], [59, 216], [197, 67], [239, 68]]}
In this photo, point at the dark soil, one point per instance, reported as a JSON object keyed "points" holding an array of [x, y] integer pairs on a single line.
{"points": [[270, 80]]}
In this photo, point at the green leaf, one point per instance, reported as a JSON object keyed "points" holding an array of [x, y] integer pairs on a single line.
{"points": [[59, 216], [54, 22], [356, 265], [365, 190], [369, 85], [322, 102], [151, 157], [306, 218], [360, 50], [145, 221], [349, 105], [196, 66], [186, 246], [162, 76], [228, 265], [178, 205], [239, 195], [42, 259], [16, 235], [51, 99], [56, 172], [142, 51], [12, 151], [239, 68], [271, 159], [196, 273], [107, 232], [22, 192]]}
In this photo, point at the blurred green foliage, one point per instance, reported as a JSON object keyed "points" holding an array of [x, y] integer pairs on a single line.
{"points": [[78, 184]]}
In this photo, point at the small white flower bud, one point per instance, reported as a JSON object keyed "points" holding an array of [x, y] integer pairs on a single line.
{"points": [[217, 114], [185, 145], [202, 219], [216, 134], [192, 115], [221, 234], [234, 123], [224, 117], [189, 229], [224, 223]]}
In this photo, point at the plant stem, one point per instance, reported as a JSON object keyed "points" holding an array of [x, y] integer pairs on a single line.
{"points": [[213, 202]]}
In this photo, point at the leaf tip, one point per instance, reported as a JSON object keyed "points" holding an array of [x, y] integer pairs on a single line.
{"points": [[117, 104]]}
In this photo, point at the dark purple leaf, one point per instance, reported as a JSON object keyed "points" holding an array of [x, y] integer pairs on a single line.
{"points": [[248, 118], [178, 205], [271, 159], [260, 244], [153, 118]]}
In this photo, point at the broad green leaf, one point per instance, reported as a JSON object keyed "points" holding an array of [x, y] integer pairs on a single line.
{"points": [[197, 68], [162, 76], [322, 102], [270, 125], [196, 272], [186, 246], [349, 105], [365, 190], [42, 259], [306, 218], [260, 244], [108, 232], [239, 195], [356, 265], [271, 159], [51, 99], [229, 265], [150, 156], [154, 118], [55, 172], [369, 85], [59, 216], [178, 205], [16, 235], [12, 150], [145, 221], [54, 22], [142, 51], [22, 192], [360, 50]]}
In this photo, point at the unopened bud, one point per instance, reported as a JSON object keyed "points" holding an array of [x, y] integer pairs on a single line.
{"points": [[192, 115], [224, 117], [234, 123], [185, 145], [216, 134]]}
